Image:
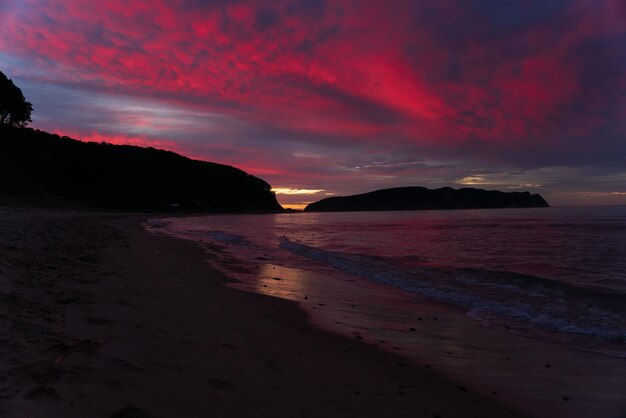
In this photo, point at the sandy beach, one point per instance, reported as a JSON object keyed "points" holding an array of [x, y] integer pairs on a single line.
{"points": [[101, 319]]}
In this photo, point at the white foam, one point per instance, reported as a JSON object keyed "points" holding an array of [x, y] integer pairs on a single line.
{"points": [[530, 306]]}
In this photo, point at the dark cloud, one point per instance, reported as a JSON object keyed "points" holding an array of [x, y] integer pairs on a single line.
{"points": [[265, 18]]}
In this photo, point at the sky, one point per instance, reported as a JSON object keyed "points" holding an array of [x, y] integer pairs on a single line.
{"points": [[322, 97]]}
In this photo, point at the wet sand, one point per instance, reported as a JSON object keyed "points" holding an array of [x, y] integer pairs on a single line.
{"points": [[99, 318], [534, 375]]}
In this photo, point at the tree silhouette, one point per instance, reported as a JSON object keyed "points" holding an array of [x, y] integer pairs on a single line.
{"points": [[14, 109]]}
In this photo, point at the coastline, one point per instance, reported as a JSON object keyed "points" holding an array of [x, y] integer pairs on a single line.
{"points": [[101, 318]]}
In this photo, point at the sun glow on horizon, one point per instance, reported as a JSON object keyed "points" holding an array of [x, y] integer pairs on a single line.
{"points": [[290, 191], [295, 206]]}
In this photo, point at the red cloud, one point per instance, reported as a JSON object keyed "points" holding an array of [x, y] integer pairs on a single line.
{"points": [[370, 73]]}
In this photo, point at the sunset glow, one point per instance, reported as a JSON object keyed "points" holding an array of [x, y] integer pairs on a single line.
{"points": [[320, 97]]}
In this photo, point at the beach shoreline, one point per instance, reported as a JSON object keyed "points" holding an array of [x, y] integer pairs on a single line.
{"points": [[101, 318], [533, 373]]}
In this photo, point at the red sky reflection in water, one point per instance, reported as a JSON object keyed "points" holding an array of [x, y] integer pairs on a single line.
{"points": [[341, 96]]}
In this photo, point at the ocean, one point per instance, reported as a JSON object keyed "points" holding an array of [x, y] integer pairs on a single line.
{"points": [[467, 292], [550, 270]]}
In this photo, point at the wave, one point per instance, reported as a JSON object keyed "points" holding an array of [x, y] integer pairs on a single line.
{"points": [[157, 223], [537, 301], [226, 238]]}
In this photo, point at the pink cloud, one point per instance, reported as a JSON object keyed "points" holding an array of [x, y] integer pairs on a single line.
{"points": [[381, 76]]}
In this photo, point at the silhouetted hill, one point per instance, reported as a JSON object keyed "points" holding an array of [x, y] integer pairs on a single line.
{"points": [[42, 169], [415, 198]]}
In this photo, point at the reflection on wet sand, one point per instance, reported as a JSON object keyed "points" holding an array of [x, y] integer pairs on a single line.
{"points": [[518, 370]]}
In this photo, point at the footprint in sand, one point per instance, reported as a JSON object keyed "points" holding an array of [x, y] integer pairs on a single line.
{"points": [[130, 411], [41, 392], [8, 388], [220, 384]]}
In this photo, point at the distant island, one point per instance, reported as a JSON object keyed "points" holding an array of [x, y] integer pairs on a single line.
{"points": [[421, 198], [45, 170]]}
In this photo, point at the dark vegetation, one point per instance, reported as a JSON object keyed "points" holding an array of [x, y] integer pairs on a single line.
{"points": [[42, 169], [416, 198], [14, 109]]}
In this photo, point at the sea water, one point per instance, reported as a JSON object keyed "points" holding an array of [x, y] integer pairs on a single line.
{"points": [[549, 272]]}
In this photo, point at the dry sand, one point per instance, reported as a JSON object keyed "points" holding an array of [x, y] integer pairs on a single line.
{"points": [[100, 319]]}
